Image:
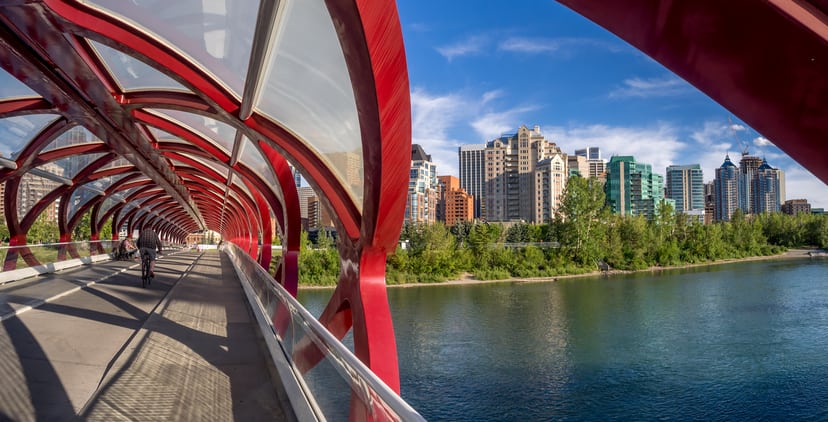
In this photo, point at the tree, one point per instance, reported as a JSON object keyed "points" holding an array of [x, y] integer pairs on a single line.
{"points": [[480, 239], [83, 230], [42, 231], [580, 220], [461, 231], [4, 230], [518, 233], [106, 230]]}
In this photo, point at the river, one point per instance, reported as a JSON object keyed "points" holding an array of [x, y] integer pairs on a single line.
{"points": [[743, 341]]}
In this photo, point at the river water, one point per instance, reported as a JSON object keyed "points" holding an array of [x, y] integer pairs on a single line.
{"points": [[746, 341]]}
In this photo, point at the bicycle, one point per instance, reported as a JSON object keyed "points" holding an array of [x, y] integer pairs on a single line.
{"points": [[146, 278]]}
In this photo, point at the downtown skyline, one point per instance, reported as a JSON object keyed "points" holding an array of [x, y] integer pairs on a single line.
{"points": [[477, 73]]}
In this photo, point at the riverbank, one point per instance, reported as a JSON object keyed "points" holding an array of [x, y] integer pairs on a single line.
{"points": [[468, 278]]}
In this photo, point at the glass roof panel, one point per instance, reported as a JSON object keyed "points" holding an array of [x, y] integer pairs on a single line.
{"points": [[55, 168], [125, 210], [214, 185], [133, 74], [252, 158], [119, 162], [69, 167], [105, 182], [220, 133], [212, 33], [110, 202], [10, 87], [131, 190], [139, 203], [16, 132], [308, 91], [75, 136], [32, 188], [81, 197], [209, 163], [164, 136]]}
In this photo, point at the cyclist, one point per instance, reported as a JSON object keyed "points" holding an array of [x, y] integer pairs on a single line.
{"points": [[148, 243]]}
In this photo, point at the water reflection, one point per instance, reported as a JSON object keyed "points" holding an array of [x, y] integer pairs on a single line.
{"points": [[738, 341]]}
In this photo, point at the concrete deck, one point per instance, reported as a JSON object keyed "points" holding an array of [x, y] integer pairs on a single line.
{"points": [[185, 348]]}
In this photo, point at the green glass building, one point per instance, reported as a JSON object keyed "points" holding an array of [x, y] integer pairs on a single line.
{"points": [[632, 188]]}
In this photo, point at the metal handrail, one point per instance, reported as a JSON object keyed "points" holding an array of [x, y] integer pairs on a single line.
{"points": [[362, 380], [36, 245]]}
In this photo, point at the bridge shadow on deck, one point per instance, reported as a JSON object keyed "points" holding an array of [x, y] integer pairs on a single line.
{"points": [[190, 354]]}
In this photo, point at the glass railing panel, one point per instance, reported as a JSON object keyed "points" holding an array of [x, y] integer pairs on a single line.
{"points": [[335, 376], [26, 256]]}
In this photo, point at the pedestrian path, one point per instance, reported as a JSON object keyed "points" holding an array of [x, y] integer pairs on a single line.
{"points": [[185, 348]]}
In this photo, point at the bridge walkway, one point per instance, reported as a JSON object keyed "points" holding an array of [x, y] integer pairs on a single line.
{"points": [[90, 342]]}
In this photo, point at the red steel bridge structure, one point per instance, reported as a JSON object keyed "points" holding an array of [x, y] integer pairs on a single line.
{"points": [[188, 115]]}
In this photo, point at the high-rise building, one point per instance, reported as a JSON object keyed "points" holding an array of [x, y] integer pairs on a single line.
{"points": [[796, 206], [685, 185], [455, 204], [590, 153], [726, 190], [348, 166], [709, 202], [747, 168], [33, 188], [297, 176], [578, 166], [473, 175], [550, 180], [765, 190], [421, 206], [632, 188], [304, 192], [2, 200], [597, 169], [318, 215], [511, 161], [596, 166]]}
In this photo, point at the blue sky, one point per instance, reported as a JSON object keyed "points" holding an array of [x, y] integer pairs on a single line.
{"points": [[481, 69]]}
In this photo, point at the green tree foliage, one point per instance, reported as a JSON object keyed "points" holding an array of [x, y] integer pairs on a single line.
{"points": [[43, 231], [518, 233], [106, 230], [83, 230], [587, 234], [430, 255], [317, 267], [4, 230], [793, 231], [580, 221]]}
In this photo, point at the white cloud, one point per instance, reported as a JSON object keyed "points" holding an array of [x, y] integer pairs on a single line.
{"points": [[762, 142], [420, 27], [491, 95], [436, 117], [469, 46], [529, 45], [712, 142], [432, 118], [737, 127], [442, 122], [563, 46], [493, 124], [653, 87], [801, 184], [657, 145]]}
